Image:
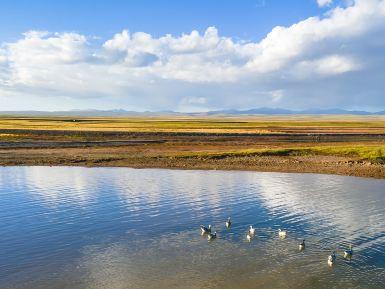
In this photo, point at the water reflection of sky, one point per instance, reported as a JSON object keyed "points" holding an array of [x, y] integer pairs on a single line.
{"points": [[66, 224]]}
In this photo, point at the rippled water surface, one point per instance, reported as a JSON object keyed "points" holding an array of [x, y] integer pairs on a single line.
{"points": [[67, 227]]}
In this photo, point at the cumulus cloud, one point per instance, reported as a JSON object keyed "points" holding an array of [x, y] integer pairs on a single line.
{"points": [[333, 60], [327, 66], [323, 3]]}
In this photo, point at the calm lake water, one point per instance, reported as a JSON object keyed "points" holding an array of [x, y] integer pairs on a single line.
{"points": [[68, 227]]}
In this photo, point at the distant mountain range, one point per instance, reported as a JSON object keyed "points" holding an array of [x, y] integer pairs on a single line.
{"points": [[254, 111], [277, 111]]}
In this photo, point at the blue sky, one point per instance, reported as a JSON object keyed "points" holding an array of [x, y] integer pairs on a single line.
{"points": [[192, 55], [246, 19]]}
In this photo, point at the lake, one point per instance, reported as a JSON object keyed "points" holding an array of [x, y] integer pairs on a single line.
{"points": [[72, 227]]}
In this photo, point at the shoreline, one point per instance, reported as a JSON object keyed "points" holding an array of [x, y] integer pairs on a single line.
{"points": [[315, 164], [351, 146]]}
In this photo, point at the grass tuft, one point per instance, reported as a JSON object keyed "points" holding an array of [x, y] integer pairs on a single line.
{"points": [[369, 153]]}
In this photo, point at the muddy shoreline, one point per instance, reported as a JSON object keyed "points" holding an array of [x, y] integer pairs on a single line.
{"points": [[160, 150], [321, 165]]}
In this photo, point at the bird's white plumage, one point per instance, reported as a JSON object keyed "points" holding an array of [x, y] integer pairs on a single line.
{"points": [[332, 259], [228, 223], [348, 253], [251, 230], [281, 233], [211, 236], [301, 245], [205, 230]]}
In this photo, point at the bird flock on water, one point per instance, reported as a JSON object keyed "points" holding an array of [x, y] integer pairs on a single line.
{"points": [[251, 232]]}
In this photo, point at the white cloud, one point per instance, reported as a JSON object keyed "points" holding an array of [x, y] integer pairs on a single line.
{"points": [[329, 60], [276, 95], [327, 66], [323, 3]]}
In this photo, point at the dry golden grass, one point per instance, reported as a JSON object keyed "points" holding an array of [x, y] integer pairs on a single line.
{"points": [[255, 124]]}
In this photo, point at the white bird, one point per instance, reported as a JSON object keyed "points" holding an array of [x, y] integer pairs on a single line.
{"points": [[302, 245], [348, 253], [228, 223], [332, 259], [211, 236], [205, 230], [251, 231], [281, 234]]}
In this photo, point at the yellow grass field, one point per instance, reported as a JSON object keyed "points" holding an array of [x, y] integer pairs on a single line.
{"points": [[245, 124]]}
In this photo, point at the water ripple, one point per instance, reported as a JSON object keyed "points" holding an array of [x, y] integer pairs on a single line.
{"points": [[93, 228]]}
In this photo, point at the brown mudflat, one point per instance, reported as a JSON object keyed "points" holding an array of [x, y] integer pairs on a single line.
{"points": [[332, 145]]}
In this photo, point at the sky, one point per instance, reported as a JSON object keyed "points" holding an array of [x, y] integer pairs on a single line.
{"points": [[192, 55]]}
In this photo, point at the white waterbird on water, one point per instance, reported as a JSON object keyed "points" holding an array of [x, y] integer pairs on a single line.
{"points": [[302, 245], [332, 259], [251, 231], [228, 223], [211, 236], [349, 252], [281, 234], [205, 230]]}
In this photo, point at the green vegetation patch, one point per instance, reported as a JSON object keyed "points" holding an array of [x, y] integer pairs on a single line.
{"points": [[370, 153]]}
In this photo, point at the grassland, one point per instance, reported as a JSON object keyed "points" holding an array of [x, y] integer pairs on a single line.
{"points": [[260, 124], [348, 145]]}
